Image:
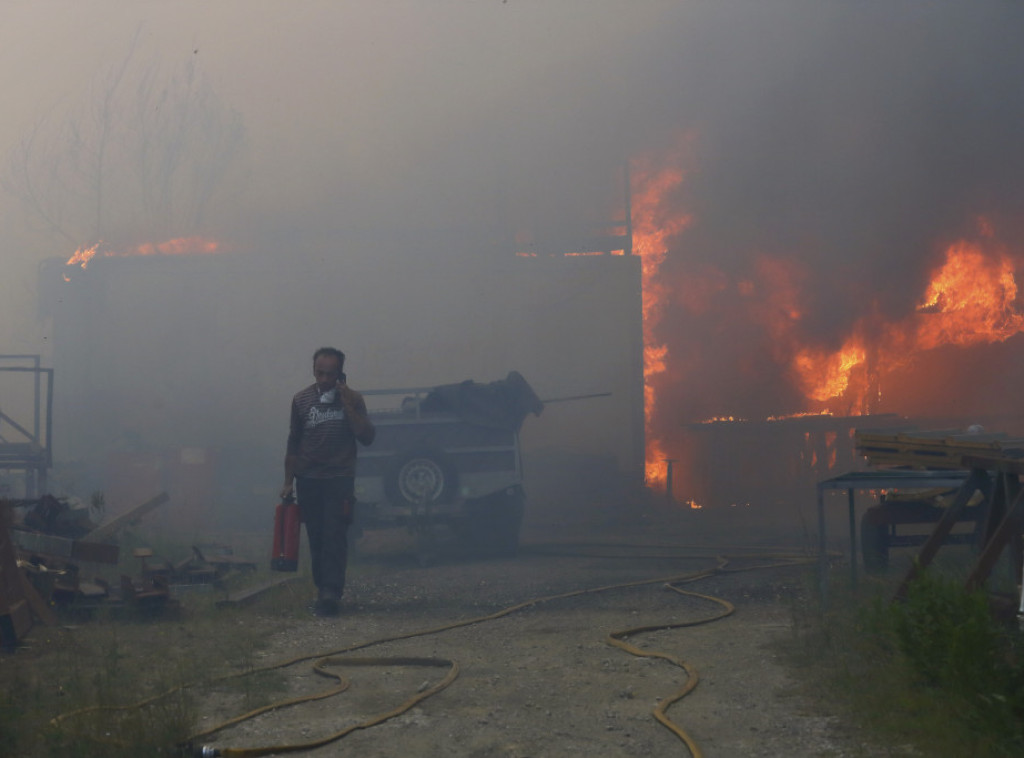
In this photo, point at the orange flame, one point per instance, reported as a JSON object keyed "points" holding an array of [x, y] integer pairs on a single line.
{"points": [[177, 246], [827, 375], [971, 299], [655, 222], [802, 414]]}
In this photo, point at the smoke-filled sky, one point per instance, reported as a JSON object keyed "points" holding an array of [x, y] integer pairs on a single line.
{"points": [[854, 139]]}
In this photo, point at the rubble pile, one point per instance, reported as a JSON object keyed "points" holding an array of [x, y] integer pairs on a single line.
{"points": [[43, 544]]}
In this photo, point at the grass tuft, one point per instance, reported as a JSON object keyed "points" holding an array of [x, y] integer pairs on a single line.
{"points": [[119, 661], [937, 675]]}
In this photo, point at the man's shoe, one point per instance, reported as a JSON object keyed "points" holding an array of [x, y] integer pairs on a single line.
{"points": [[325, 608], [327, 602]]}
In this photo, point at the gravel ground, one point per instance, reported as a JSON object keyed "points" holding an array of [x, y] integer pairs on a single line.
{"points": [[542, 680]]}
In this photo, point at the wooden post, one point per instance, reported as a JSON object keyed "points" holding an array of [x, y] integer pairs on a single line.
{"points": [[942, 529], [1008, 529], [668, 481], [15, 618]]}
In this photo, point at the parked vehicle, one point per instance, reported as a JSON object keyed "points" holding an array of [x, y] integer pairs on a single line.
{"points": [[450, 456]]}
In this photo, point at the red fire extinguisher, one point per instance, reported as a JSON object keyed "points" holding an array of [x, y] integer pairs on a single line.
{"points": [[285, 554]]}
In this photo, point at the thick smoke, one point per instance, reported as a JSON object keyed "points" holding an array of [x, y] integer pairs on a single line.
{"points": [[848, 144], [855, 136], [834, 149]]}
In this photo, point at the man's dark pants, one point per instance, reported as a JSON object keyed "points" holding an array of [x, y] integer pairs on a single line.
{"points": [[326, 507]]}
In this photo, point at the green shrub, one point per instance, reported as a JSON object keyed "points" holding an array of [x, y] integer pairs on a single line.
{"points": [[965, 669], [948, 634], [937, 674]]}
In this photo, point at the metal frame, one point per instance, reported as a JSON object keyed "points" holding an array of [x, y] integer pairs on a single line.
{"points": [[34, 456], [865, 480]]}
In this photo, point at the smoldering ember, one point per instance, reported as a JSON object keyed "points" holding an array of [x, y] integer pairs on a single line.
{"points": [[636, 295]]}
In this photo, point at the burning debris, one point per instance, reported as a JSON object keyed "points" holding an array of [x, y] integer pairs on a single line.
{"points": [[177, 246]]}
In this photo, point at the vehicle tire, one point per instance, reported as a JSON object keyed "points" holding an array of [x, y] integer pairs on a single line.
{"points": [[421, 477], [874, 541], [492, 524]]}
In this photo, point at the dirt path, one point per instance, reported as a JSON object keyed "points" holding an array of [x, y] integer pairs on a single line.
{"points": [[543, 681]]}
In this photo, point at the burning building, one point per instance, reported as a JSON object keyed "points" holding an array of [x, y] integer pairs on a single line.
{"points": [[172, 359], [175, 370], [760, 363]]}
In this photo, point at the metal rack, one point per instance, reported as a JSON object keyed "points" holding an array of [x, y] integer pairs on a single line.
{"points": [[26, 446]]}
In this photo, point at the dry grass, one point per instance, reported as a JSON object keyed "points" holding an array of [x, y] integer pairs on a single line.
{"points": [[89, 687]]}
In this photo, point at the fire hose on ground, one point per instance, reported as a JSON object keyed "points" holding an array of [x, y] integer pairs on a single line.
{"points": [[325, 662]]}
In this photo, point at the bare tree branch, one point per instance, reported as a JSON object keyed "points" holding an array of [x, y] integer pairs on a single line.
{"points": [[144, 157]]}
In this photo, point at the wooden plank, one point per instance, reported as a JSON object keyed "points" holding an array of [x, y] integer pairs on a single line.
{"points": [[958, 437], [63, 548], [38, 604], [111, 527], [938, 449], [242, 597]]}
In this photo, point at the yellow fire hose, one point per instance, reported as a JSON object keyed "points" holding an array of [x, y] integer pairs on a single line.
{"points": [[320, 668], [337, 658]]}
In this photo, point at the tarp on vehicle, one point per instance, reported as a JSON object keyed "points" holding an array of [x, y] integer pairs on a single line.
{"points": [[504, 403]]}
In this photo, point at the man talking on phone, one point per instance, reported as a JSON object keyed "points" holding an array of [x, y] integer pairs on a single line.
{"points": [[328, 418]]}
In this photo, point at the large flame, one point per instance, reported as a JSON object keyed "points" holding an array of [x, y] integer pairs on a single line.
{"points": [[826, 375], [655, 222], [177, 246], [970, 299]]}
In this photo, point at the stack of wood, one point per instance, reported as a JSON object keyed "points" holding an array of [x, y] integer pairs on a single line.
{"points": [[942, 449], [996, 465], [39, 566]]}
